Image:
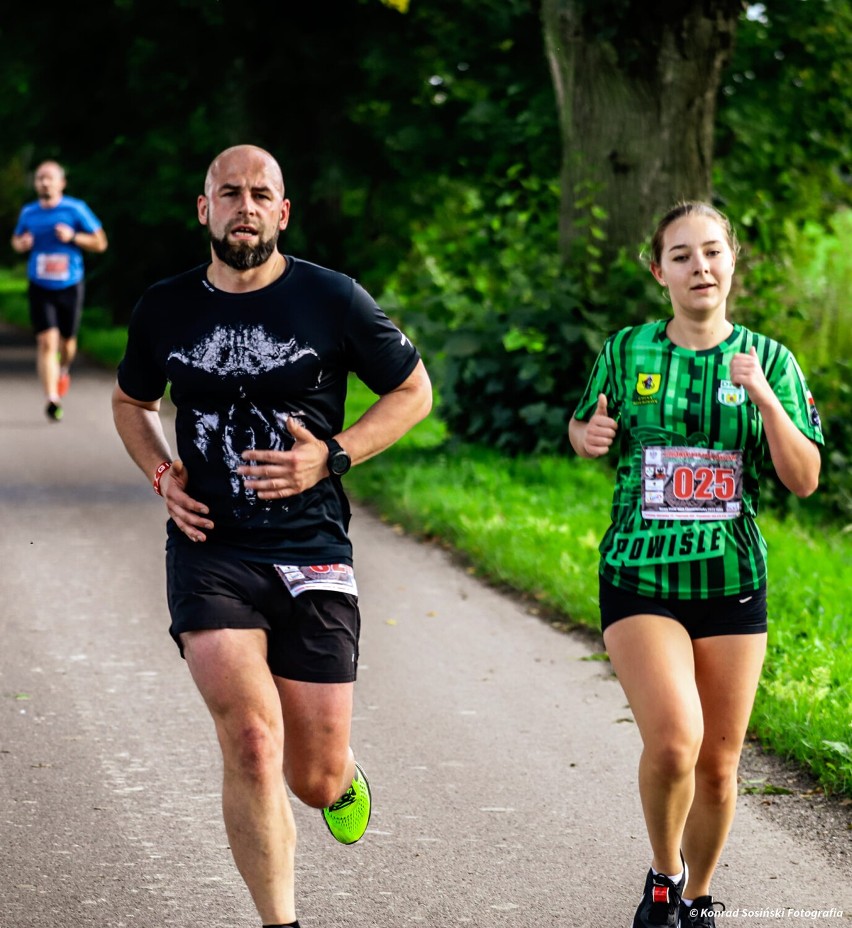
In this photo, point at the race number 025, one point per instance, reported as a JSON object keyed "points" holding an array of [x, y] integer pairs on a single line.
{"points": [[703, 483]]}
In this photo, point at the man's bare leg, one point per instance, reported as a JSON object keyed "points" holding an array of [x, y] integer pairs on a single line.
{"points": [[230, 670], [47, 362]]}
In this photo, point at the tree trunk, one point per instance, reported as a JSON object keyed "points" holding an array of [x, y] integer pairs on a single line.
{"points": [[636, 94]]}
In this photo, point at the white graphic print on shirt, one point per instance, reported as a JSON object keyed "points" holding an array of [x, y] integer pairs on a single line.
{"points": [[240, 353]]}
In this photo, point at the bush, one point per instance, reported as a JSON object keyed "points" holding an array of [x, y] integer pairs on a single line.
{"points": [[509, 330], [800, 296]]}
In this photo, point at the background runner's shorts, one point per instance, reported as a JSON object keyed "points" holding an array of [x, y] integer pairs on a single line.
{"points": [[312, 637], [56, 309], [740, 614]]}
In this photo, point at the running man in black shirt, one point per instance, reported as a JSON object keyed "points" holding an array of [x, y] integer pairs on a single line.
{"points": [[257, 347]]}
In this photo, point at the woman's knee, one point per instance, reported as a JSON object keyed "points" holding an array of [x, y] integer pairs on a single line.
{"points": [[673, 756], [716, 776]]}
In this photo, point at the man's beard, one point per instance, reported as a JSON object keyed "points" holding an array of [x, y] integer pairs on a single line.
{"points": [[243, 256]]}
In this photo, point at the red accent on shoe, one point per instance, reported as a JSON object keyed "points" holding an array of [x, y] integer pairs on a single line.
{"points": [[661, 894]]}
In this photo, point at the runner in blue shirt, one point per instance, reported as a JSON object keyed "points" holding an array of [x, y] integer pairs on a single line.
{"points": [[55, 230]]}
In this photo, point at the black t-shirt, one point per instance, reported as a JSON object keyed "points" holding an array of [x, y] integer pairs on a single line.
{"points": [[239, 365]]}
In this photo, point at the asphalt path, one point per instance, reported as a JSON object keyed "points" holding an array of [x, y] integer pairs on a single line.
{"points": [[502, 759]]}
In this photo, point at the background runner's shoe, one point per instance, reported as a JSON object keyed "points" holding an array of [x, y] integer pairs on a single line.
{"points": [[63, 384], [347, 819], [53, 411]]}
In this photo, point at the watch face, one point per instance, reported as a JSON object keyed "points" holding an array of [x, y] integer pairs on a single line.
{"points": [[339, 463]]}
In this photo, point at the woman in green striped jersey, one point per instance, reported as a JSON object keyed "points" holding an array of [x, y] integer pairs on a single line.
{"points": [[697, 406]]}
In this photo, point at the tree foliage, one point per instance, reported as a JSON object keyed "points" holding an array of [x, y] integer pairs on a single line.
{"points": [[784, 134], [510, 331], [365, 108], [368, 109]]}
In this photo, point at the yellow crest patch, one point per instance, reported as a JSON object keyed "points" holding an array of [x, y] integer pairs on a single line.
{"points": [[648, 384]]}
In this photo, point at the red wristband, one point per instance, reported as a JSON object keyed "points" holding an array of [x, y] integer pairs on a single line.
{"points": [[158, 473]]}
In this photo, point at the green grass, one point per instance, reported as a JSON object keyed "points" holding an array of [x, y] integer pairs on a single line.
{"points": [[533, 524], [13, 298], [530, 524], [804, 706]]}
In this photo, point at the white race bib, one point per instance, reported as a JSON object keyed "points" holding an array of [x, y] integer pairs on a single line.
{"points": [[339, 577], [53, 267], [691, 483]]}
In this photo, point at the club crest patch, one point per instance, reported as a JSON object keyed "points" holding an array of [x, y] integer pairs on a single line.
{"points": [[648, 384], [813, 415], [730, 395]]}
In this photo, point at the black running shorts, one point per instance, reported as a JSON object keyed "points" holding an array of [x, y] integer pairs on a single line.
{"points": [[312, 637], [56, 309], [741, 614]]}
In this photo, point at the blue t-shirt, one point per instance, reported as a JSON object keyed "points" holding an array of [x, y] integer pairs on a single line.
{"points": [[52, 264]]}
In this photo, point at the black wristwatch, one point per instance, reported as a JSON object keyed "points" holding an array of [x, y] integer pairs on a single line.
{"points": [[339, 461]]}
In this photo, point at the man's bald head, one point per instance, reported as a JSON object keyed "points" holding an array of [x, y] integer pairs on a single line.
{"points": [[54, 166], [49, 182], [242, 159]]}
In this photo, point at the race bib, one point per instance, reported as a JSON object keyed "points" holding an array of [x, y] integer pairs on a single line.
{"points": [[53, 267], [338, 577], [691, 483]]}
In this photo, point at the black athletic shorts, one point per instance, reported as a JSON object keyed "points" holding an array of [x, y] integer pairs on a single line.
{"points": [[312, 637], [57, 309], [740, 614]]}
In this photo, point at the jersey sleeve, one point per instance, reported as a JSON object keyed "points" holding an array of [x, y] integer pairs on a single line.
{"points": [[139, 374], [599, 382], [789, 385], [379, 353], [21, 225], [88, 221]]}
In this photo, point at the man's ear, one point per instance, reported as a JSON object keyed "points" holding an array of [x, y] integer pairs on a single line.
{"points": [[202, 209]]}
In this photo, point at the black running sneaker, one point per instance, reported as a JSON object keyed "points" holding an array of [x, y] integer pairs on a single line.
{"points": [[701, 914], [660, 903], [53, 411]]}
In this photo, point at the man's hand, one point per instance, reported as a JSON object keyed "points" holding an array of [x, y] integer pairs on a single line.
{"points": [[23, 243], [745, 371], [600, 430], [64, 232], [279, 474], [188, 514]]}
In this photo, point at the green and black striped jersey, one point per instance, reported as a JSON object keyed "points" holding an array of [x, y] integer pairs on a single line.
{"points": [[691, 450]]}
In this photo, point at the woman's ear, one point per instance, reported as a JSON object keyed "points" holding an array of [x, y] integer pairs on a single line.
{"points": [[657, 271]]}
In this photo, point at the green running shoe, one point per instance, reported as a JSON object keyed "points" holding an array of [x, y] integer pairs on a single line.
{"points": [[347, 819]]}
